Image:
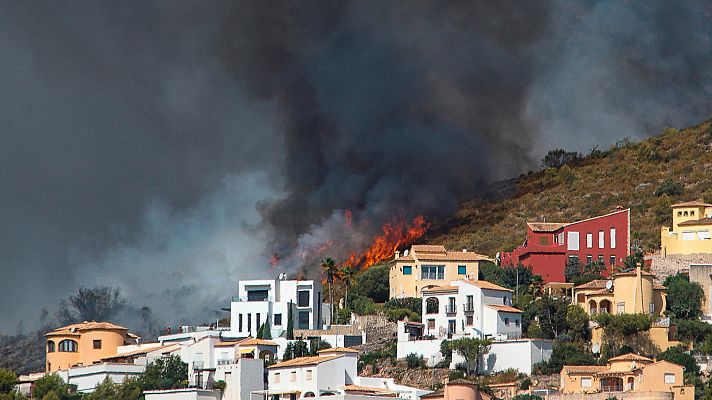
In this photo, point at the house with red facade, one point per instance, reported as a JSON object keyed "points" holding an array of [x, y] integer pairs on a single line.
{"points": [[550, 245]]}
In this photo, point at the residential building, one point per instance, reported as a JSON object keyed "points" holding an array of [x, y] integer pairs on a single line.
{"points": [[182, 394], [86, 378], [690, 231], [459, 389], [549, 246], [242, 377], [426, 266], [470, 308], [273, 301], [625, 375], [190, 334], [332, 373], [84, 344]]}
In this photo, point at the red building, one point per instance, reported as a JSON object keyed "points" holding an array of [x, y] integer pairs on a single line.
{"points": [[550, 245]]}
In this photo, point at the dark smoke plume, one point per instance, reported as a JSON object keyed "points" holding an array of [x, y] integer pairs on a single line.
{"points": [[171, 148]]}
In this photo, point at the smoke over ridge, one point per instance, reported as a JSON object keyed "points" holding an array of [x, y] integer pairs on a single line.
{"points": [[172, 148]]}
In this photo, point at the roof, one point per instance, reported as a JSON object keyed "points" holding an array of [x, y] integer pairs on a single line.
{"points": [[460, 382], [546, 226], [694, 203], [257, 342], [441, 289], [594, 284], [633, 272], [368, 389], [488, 285], [338, 350], [453, 256], [301, 361], [136, 352], [427, 248], [503, 308], [437, 393], [629, 357], [701, 221], [86, 326], [229, 343], [405, 258], [583, 369]]}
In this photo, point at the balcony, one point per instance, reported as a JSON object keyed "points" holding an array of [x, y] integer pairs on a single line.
{"points": [[238, 299], [227, 361], [450, 309], [468, 307]]}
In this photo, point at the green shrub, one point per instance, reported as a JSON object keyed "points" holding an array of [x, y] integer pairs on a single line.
{"points": [[415, 361], [670, 188], [401, 313]]}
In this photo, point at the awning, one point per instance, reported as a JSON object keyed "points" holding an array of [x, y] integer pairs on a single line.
{"points": [[246, 351]]}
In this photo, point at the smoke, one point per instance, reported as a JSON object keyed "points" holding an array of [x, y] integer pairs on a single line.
{"points": [[173, 148]]}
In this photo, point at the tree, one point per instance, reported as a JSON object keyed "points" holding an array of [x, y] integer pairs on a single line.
{"points": [[557, 158], [266, 331], [472, 350], [51, 386], [290, 322], [565, 353], [106, 390], [684, 299], [8, 380], [329, 267], [165, 373], [631, 262], [373, 283], [551, 314], [318, 344], [577, 321], [670, 188], [348, 277], [100, 303]]}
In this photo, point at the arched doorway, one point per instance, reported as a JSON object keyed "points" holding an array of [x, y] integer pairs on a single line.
{"points": [[631, 384], [592, 307], [604, 306]]}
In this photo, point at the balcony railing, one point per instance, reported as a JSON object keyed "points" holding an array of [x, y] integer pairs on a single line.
{"points": [[198, 364], [236, 299], [450, 309], [468, 307], [227, 361]]}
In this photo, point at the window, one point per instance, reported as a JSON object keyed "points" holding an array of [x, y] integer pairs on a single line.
{"points": [[432, 305], [613, 238], [589, 240], [303, 298], [50, 346], [692, 213], [96, 344], [68, 346], [451, 327], [685, 213], [703, 235], [303, 319], [462, 270], [433, 272], [249, 323], [601, 239], [239, 322], [308, 375], [506, 321], [504, 300], [278, 319], [669, 378], [276, 377], [560, 238], [573, 259], [613, 260], [431, 323], [601, 259], [516, 322], [257, 295], [688, 235], [621, 307], [589, 259], [293, 376], [407, 270], [573, 240], [586, 382], [469, 320], [258, 321], [651, 308], [450, 305], [679, 213]]}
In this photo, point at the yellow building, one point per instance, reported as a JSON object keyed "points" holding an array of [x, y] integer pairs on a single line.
{"points": [[426, 266], [628, 373], [85, 343], [690, 232]]}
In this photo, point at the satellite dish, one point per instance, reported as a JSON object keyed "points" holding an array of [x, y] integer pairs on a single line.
{"points": [[609, 285], [435, 359]]}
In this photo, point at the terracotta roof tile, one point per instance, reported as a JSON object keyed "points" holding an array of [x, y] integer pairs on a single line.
{"points": [[594, 284], [488, 285], [301, 361], [701, 221], [629, 357], [694, 203], [257, 342], [441, 289], [453, 256], [86, 326], [503, 308], [229, 343], [546, 226], [408, 258], [427, 248], [338, 350], [583, 369]]}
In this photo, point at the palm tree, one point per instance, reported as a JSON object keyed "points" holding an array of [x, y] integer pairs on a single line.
{"points": [[329, 267], [348, 276]]}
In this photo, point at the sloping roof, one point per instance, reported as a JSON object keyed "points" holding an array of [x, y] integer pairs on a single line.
{"points": [[546, 226], [701, 221], [437, 393], [461, 382], [367, 389], [694, 203], [503, 308], [488, 285], [298, 362], [338, 350], [86, 326], [137, 352], [633, 272], [441, 289], [405, 258], [257, 342], [454, 256], [583, 369], [630, 357], [594, 284], [427, 248], [229, 343]]}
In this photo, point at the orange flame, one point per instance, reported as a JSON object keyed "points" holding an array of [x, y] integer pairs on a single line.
{"points": [[394, 236]]}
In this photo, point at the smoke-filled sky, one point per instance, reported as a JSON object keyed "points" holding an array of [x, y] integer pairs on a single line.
{"points": [[172, 147]]}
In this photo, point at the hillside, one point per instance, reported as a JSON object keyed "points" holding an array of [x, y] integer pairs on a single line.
{"points": [[628, 175]]}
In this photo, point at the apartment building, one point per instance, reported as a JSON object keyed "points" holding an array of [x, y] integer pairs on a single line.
{"points": [[427, 266]]}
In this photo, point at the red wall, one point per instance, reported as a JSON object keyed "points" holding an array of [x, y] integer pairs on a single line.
{"points": [[550, 261]]}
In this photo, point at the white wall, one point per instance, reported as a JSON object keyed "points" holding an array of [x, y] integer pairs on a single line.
{"points": [[425, 348], [182, 394], [242, 378], [88, 377]]}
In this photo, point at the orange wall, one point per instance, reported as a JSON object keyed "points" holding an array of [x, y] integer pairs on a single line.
{"points": [[86, 354]]}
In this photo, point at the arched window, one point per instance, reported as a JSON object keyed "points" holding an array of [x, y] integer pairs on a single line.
{"points": [[68, 345], [50, 346], [432, 305]]}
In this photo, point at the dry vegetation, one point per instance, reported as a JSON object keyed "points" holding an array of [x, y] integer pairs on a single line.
{"points": [[626, 175]]}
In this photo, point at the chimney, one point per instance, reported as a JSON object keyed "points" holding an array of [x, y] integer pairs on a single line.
{"points": [[619, 208], [397, 255]]}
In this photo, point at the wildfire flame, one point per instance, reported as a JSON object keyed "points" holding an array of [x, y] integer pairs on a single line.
{"points": [[394, 236]]}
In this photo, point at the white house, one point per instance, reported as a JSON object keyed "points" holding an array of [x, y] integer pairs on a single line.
{"points": [[470, 308], [182, 394], [332, 373], [260, 301]]}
